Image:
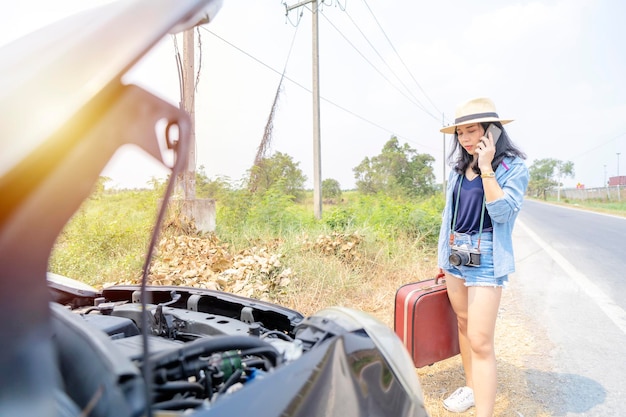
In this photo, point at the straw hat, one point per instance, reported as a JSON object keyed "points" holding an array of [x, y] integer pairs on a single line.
{"points": [[478, 110]]}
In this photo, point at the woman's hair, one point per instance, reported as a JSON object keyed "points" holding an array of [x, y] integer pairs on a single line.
{"points": [[461, 159]]}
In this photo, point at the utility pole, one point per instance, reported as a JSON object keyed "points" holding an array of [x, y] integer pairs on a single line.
{"points": [[200, 211], [317, 158], [444, 181], [606, 185], [619, 180], [188, 102]]}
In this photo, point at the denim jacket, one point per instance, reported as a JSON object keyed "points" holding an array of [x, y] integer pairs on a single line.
{"points": [[512, 176]]}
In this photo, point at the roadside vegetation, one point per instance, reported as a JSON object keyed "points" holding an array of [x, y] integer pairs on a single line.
{"points": [[358, 240], [546, 176], [268, 245], [390, 221], [616, 208]]}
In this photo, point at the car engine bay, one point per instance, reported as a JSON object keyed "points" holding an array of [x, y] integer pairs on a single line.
{"points": [[203, 345]]}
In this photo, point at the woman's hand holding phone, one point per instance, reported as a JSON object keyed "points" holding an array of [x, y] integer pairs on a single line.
{"points": [[486, 148], [495, 133]]}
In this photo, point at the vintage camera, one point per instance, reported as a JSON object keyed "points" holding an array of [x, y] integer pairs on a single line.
{"points": [[464, 255]]}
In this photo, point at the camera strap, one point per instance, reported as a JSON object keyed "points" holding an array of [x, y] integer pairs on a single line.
{"points": [[456, 212]]}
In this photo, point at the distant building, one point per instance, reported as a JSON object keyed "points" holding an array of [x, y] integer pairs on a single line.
{"points": [[614, 181]]}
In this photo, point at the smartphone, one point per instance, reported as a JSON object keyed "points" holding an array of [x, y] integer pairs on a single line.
{"points": [[495, 132]]}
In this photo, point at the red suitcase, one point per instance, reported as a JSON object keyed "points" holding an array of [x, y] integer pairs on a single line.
{"points": [[425, 321]]}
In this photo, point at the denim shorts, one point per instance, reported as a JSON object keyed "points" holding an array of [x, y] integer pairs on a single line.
{"points": [[477, 276]]}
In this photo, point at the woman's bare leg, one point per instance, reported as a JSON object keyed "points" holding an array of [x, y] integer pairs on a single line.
{"points": [[483, 305], [458, 293]]}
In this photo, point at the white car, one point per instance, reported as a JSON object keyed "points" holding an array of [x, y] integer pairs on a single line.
{"points": [[69, 350]]}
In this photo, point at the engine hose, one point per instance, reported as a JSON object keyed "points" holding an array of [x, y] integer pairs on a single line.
{"points": [[257, 351], [208, 345], [257, 363], [230, 381], [207, 381], [178, 404], [173, 387], [277, 334]]}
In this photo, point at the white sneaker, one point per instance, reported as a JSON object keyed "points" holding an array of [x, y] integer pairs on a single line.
{"points": [[460, 400]]}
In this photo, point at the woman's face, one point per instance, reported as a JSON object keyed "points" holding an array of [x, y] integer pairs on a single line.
{"points": [[469, 136]]}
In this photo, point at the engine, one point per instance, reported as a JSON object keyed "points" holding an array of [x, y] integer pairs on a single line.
{"points": [[194, 356]]}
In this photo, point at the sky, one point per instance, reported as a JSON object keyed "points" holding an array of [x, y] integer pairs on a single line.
{"points": [[387, 68]]}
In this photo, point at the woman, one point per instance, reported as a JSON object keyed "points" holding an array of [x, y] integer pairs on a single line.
{"points": [[484, 195]]}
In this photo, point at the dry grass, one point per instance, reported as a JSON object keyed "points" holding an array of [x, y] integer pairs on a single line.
{"points": [[371, 286], [517, 346], [367, 278], [368, 284]]}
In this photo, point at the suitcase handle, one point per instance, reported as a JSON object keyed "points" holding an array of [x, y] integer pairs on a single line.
{"points": [[439, 280]]}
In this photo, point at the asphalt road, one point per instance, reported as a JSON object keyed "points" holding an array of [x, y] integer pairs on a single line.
{"points": [[571, 281]]}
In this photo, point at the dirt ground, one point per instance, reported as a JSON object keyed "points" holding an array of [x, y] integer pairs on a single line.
{"points": [[526, 381], [525, 385]]}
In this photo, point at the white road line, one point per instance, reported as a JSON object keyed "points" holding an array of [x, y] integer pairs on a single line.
{"points": [[579, 208], [614, 312]]}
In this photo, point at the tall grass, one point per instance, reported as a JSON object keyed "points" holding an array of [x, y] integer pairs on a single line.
{"points": [[617, 208], [379, 216], [106, 240], [107, 237]]}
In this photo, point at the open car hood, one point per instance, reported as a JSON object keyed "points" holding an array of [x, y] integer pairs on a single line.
{"points": [[64, 111], [70, 350], [51, 74]]}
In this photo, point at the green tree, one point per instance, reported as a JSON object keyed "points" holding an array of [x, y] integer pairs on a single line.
{"points": [[278, 172], [216, 188], [546, 174], [99, 186], [331, 189], [397, 170]]}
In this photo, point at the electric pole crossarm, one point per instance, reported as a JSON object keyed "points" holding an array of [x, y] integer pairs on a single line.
{"points": [[295, 6]]}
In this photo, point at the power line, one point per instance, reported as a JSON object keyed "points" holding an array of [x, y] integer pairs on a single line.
{"points": [[195, 86], [365, 119], [586, 153], [179, 67], [377, 125], [413, 99], [416, 103], [269, 126], [381, 57], [400, 58]]}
